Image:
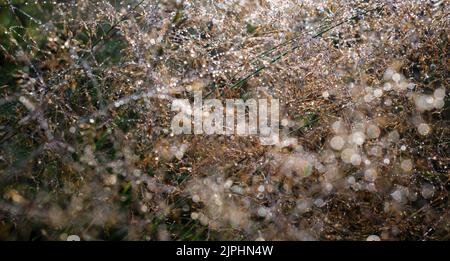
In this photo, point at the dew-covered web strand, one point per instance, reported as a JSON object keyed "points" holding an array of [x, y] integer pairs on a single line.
{"points": [[278, 57]]}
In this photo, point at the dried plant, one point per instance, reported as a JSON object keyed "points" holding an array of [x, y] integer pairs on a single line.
{"points": [[86, 147]]}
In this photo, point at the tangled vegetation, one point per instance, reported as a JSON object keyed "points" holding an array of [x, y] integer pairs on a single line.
{"points": [[86, 148]]}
